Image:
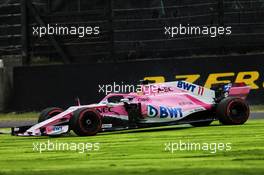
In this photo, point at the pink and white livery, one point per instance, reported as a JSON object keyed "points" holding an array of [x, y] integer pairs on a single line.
{"points": [[158, 104]]}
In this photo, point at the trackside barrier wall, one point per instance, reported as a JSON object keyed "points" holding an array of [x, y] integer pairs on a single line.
{"points": [[42, 86]]}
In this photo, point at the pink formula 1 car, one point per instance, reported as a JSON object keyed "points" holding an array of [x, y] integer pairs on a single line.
{"points": [[159, 104]]}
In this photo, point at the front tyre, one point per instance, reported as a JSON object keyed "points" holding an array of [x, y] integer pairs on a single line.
{"points": [[86, 122], [232, 111], [49, 113]]}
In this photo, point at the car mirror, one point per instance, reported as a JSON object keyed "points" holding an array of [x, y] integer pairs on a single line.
{"points": [[125, 100]]}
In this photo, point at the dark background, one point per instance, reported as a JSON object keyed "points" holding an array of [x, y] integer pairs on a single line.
{"points": [[131, 45], [43, 86], [131, 29]]}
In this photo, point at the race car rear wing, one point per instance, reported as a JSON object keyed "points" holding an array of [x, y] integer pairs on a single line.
{"points": [[239, 90], [231, 90]]}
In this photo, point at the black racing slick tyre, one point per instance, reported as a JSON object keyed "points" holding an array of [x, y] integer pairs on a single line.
{"points": [[201, 124], [232, 111], [86, 122], [49, 113]]}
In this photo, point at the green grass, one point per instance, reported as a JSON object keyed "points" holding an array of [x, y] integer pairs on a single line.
{"points": [[142, 152], [18, 117]]}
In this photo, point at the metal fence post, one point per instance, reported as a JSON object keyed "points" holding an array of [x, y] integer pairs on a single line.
{"points": [[111, 30], [220, 12], [221, 39], [24, 33]]}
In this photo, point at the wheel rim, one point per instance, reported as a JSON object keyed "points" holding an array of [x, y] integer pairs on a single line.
{"points": [[238, 112], [89, 122]]}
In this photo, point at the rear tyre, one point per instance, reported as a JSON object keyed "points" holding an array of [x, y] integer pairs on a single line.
{"points": [[49, 113], [232, 111], [86, 122], [200, 124]]}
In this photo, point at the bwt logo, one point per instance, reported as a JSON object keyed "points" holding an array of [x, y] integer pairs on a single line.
{"points": [[164, 112], [57, 128], [186, 86]]}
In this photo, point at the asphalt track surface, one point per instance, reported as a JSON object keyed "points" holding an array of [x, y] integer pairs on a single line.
{"points": [[9, 124]]}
